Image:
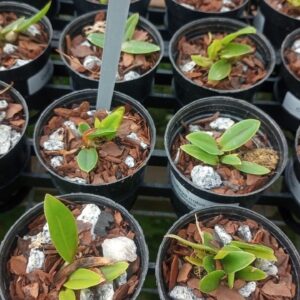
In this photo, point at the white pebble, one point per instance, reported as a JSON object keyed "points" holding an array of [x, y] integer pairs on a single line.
{"points": [[134, 136], [9, 48], [131, 75], [176, 159], [221, 123], [187, 6], [205, 177], [57, 135], [2, 68], [72, 126], [121, 280], [35, 260], [3, 104], [5, 132], [32, 30], [188, 67], [119, 249], [91, 62], [76, 179], [105, 292], [2, 115], [222, 235], [129, 161], [15, 136], [194, 128], [296, 46], [266, 266], [21, 62], [56, 161], [183, 293], [248, 289], [86, 43], [86, 294], [53, 145], [244, 233], [91, 113], [90, 214], [43, 237], [224, 9]]}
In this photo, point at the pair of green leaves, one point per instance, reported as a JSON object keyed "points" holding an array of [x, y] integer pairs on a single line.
{"points": [[129, 45], [87, 158], [205, 148], [22, 24], [64, 236], [220, 54]]}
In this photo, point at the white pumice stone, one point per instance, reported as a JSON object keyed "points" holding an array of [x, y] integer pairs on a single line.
{"points": [[91, 113], [245, 68], [15, 136], [222, 235], [21, 62], [37, 240], [224, 9], [267, 266], [56, 161], [32, 30], [5, 132], [91, 62], [3, 104], [76, 179], [119, 249], [183, 293], [134, 136], [188, 67], [53, 145], [176, 159], [131, 75], [248, 289], [244, 233], [187, 6], [57, 135], [129, 161], [227, 2], [105, 291], [2, 68], [35, 260], [86, 294], [296, 46], [121, 280], [205, 177], [2, 115], [90, 214], [86, 43], [194, 128], [9, 48], [221, 123], [72, 127]]}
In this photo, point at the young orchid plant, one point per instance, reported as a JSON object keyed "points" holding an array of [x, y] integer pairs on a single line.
{"points": [[225, 149], [10, 32], [64, 236], [129, 45], [221, 53], [105, 129], [234, 260]]}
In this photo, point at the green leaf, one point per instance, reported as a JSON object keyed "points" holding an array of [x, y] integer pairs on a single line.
{"points": [[201, 61], [97, 123], [114, 119], [219, 70], [209, 263], [211, 281], [83, 127], [231, 159], [104, 2], [83, 279], [236, 261], [252, 168], [67, 294], [131, 24], [207, 238], [213, 49], [12, 26], [225, 251], [62, 227], [235, 50], [196, 261], [251, 274], [34, 19], [239, 134], [191, 244], [107, 133], [139, 47], [230, 279], [232, 36], [295, 3], [87, 159], [96, 39], [199, 154], [260, 251], [112, 272], [205, 142]]}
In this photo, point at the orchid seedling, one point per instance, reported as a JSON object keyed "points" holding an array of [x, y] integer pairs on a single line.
{"points": [[64, 236], [295, 3], [10, 32], [225, 149], [234, 260], [129, 45], [104, 2], [106, 129], [221, 53]]}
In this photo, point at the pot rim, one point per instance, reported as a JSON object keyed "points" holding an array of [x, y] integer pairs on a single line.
{"points": [[181, 32], [61, 100], [45, 21], [142, 21], [234, 102]]}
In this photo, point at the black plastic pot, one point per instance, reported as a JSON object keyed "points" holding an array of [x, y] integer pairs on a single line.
{"points": [[84, 6], [15, 161], [276, 24], [138, 88], [20, 228], [122, 191], [179, 15], [236, 213], [188, 196], [185, 89], [32, 77]]}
